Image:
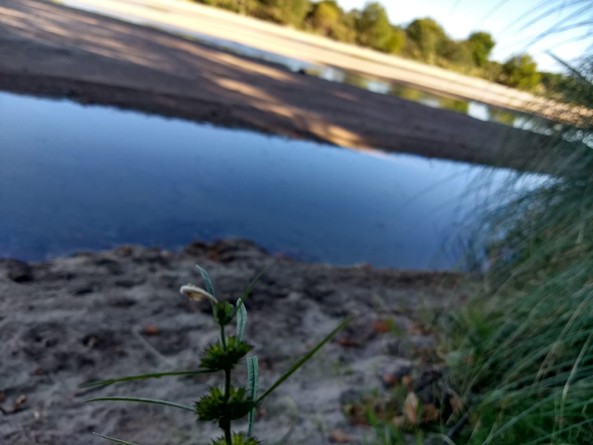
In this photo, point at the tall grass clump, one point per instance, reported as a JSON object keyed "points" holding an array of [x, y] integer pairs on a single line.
{"points": [[521, 354]]}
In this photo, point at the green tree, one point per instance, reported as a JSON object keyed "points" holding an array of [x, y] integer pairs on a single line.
{"points": [[428, 37], [325, 17], [374, 29], [230, 5], [346, 32], [295, 10], [491, 71], [565, 87], [481, 45], [520, 72], [284, 11], [456, 52], [397, 40]]}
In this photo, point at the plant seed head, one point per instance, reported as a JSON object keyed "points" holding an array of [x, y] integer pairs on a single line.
{"points": [[196, 293]]}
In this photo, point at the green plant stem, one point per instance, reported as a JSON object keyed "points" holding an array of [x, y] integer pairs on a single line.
{"points": [[227, 384], [227, 433], [225, 424], [227, 392], [222, 337]]}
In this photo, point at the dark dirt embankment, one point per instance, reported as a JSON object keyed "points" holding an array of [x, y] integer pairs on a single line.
{"points": [[99, 315]]}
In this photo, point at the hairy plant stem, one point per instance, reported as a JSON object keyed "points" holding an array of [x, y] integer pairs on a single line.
{"points": [[227, 433], [227, 389], [222, 337], [225, 424]]}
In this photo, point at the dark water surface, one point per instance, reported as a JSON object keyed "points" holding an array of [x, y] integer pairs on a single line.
{"points": [[78, 177]]}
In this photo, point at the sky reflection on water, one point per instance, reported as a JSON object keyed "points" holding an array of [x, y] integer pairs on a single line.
{"points": [[78, 177]]}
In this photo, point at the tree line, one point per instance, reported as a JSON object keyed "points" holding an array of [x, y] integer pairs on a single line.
{"points": [[423, 39]]}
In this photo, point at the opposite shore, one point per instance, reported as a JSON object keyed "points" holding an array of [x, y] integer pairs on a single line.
{"points": [[51, 50], [207, 22]]}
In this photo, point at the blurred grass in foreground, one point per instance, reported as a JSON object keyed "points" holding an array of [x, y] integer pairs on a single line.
{"points": [[521, 354]]}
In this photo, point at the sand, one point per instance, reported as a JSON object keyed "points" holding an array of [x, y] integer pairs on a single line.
{"points": [[99, 315]]}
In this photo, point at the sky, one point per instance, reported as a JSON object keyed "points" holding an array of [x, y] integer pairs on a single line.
{"points": [[507, 20]]}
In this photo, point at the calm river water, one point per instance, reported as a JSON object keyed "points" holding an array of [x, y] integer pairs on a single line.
{"points": [[78, 177]]}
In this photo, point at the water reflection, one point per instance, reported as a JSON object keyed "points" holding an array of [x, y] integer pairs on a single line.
{"points": [[477, 110], [75, 177]]}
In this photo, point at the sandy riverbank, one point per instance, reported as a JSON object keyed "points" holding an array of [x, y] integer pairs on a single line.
{"points": [[51, 50], [98, 315]]}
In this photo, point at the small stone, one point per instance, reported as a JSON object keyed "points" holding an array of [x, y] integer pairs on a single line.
{"points": [[151, 330], [389, 380], [196, 248], [19, 271], [340, 436], [348, 342], [124, 251], [19, 403], [381, 326]]}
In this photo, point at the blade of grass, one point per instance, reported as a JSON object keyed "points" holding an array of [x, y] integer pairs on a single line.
{"points": [[143, 400], [113, 439], [248, 290], [574, 71], [302, 361], [131, 378]]}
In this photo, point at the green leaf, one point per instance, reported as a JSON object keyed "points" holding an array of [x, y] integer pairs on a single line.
{"points": [[130, 378], [219, 358], [207, 282], [215, 406], [223, 313], [252, 386], [211, 406], [113, 439], [142, 400], [241, 319], [303, 360]]}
